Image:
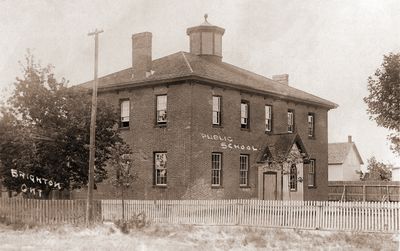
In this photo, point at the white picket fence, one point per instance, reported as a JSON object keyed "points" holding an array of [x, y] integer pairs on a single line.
{"points": [[33, 211], [352, 216]]}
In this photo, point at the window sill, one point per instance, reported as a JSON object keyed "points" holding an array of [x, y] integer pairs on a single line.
{"points": [[312, 187], [311, 137], [244, 186], [123, 128], [160, 186], [245, 129], [268, 132], [160, 125], [216, 187]]}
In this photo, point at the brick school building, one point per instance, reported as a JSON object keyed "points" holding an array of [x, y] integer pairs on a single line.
{"points": [[201, 128]]}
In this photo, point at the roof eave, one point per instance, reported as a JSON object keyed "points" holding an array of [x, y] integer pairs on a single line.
{"points": [[195, 77], [358, 154]]}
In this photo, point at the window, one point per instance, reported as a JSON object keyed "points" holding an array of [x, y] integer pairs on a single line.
{"points": [[310, 125], [160, 167], [311, 173], [216, 166], [244, 114], [216, 110], [124, 106], [244, 170], [268, 118], [293, 178], [162, 109], [290, 121]]}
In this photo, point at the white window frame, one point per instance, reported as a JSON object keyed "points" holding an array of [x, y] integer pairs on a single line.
{"points": [[216, 110], [311, 124], [161, 109], [216, 169], [125, 113], [244, 114], [244, 170], [268, 118], [160, 168], [290, 121], [311, 173]]}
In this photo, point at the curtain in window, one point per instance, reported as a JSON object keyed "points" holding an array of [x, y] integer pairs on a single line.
{"points": [[125, 110]]}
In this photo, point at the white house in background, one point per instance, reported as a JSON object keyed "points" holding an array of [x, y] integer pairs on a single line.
{"points": [[396, 173], [344, 161]]}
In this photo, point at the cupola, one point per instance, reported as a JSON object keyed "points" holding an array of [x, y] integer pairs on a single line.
{"points": [[206, 40]]}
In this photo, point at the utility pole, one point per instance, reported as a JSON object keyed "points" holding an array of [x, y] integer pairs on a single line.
{"points": [[92, 146]]}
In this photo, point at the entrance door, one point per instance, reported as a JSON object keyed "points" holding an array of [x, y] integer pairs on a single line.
{"points": [[270, 186]]}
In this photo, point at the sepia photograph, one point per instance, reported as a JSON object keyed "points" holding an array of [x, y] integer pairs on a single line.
{"points": [[200, 125]]}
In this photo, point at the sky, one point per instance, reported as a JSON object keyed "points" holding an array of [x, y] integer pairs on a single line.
{"points": [[328, 48]]}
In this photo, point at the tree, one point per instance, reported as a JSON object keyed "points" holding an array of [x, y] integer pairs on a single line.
{"points": [[377, 171], [44, 131], [122, 173], [384, 98]]}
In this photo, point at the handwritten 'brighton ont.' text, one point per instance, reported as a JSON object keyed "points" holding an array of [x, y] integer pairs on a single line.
{"points": [[35, 180]]}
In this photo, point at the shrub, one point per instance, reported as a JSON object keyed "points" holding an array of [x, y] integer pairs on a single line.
{"points": [[4, 220], [137, 221]]}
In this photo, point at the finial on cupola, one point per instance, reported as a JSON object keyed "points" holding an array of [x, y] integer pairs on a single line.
{"points": [[205, 17]]}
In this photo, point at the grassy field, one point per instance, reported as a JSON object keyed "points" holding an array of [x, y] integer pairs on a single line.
{"points": [[188, 237]]}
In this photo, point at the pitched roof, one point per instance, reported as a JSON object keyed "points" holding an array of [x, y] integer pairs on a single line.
{"points": [[278, 146], [184, 65], [337, 152]]}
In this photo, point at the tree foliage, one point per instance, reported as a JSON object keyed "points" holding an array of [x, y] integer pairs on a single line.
{"points": [[122, 173], [384, 98], [44, 130], [377, 171]]}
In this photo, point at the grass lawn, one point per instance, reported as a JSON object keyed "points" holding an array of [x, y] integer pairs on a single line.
{"points": [[189, 237]]}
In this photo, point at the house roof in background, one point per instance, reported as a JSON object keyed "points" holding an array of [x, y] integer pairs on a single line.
{"points": [[184, 65], [337, 152]]}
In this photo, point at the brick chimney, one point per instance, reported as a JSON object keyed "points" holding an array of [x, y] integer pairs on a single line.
{"points": [[141, 54], [349, 139], [282, 78]]}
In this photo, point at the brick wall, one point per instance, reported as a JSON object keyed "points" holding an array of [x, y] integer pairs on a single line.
{"points": [[254, 136], [189, 111]]}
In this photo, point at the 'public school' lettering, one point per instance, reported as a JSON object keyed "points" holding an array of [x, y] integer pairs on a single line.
{"points": [[216, 137], [224, 145], [227, 142]]}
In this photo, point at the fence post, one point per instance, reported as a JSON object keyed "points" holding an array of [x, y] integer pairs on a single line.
{"points": [[319, 213], [97, 211], [237, 211], [364, 193], [343, 194]]}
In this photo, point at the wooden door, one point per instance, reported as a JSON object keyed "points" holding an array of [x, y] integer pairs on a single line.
{"points": [[270, 186]]}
